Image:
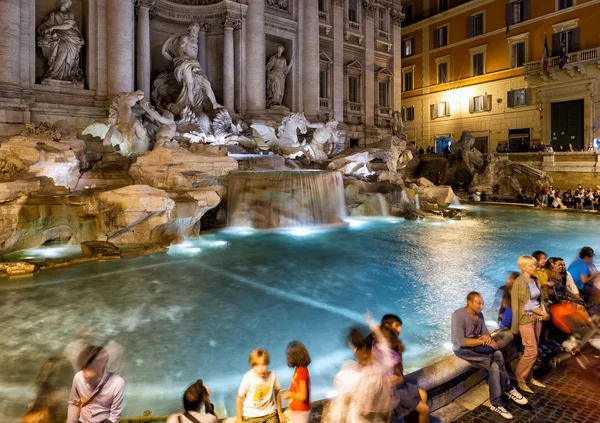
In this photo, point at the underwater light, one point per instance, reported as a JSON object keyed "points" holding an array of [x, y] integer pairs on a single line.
{"points": [[300, 231], [219, 243], [195, 250], [356, 223]]}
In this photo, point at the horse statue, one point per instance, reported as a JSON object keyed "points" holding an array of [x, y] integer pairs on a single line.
{"points": [[285, 141], [325, 132], [124, 128]]}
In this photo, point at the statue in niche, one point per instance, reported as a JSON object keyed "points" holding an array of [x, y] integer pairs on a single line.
{"points": [[124, 128], [397, 124], [279, 4], [277, 70], [182, 50], [61, 42]]}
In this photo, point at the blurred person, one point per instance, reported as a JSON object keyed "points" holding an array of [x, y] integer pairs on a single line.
{"points": [[96, 395], [52, 387], [258, 399], [541, 274], [583, 269], [471, 341], [529, 311], [75, 347], [297, 356], [195, 397]]}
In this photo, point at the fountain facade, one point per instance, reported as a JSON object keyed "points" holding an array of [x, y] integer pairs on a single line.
{"points": [[279, 199]]}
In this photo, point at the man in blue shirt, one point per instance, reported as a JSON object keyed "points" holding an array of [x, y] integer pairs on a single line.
{"points": [[583, 270], [472, 342]]}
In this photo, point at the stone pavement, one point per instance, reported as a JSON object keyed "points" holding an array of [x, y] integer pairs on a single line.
{"points": [[572, 395]]}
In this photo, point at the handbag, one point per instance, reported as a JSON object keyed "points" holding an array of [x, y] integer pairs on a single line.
{"points": [[485, 349]]}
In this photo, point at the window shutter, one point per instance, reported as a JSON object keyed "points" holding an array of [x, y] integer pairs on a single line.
{"points": [[470, 26], [436, 38], [528, 96], [412, 46], [510, 98], [487, 102], [556, 44], [526, 9], [574, 40], [509, 15], [471, 104], [434, 111], [403, 114]]}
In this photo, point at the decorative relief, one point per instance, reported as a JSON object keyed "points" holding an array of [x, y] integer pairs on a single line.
{"points": [[213, 11], [282, 5], [370, 8], [145, 3], [205, 27], [231, 21], [397, 16]]}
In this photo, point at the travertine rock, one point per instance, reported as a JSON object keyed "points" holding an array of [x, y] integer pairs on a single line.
{"points": [[176, 168], [100, 249], [16, 268], [441, 195]]}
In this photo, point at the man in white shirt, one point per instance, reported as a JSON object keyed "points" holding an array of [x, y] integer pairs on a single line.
{"points": [[97, 394]]}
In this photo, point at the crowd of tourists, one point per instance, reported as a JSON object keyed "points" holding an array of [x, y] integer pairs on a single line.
{"points": [[579, 198], [543, 304]]}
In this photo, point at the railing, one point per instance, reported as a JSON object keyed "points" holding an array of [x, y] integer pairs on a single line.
{"points": [[355, 107], [324, 103], [323, 16], [354, 25], [383, 35], [385, 110], [572, 58]]}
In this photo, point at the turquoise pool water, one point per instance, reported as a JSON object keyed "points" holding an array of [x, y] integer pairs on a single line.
{"points": [[197, 311]]}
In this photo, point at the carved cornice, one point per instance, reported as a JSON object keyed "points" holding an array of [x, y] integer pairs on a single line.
{"points": [[397, 16], [281, 23], [200, 12], [231, 20], [369, 8]]}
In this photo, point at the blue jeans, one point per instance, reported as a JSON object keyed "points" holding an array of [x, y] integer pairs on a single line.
{"points": [[493, 363]]}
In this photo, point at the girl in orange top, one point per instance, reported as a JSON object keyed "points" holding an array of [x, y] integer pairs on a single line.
{"points": [[299, 393]]}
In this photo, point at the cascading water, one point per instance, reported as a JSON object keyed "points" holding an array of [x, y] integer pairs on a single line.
{"points": [[455, 203], [383, 205], [417, 202], [278, 199]]}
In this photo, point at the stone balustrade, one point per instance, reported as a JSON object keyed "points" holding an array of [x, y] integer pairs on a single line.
{"points": [[578, 57]]}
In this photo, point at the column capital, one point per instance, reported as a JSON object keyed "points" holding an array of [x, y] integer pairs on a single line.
{"points": [[205, 27], [397, 16], [231, 21], [340, 3], [369, 7], [145, 3]]}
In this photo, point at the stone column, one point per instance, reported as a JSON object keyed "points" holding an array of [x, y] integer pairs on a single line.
{"points": [[239, 45], [229, 25], [397, 17], [255, 56], [120, 46], [143, 46], [10, 48], [204, 29], [369, 9], [311, 58], [338, 17]]}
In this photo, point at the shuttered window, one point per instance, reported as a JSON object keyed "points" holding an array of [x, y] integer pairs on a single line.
{"points": [[518, 98], [408, 113], [517, 11], [563, 4], [481, 103], [440, 109], [570, 39], [517, 54], [478, 64], [440, 37], [475, 25]]}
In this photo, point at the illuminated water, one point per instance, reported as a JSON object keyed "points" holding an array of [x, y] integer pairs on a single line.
{"points": [[198, 311]]}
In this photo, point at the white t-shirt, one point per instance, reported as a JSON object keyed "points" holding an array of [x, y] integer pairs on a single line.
{"points": [[571, 287], [202, 418], [258, 394]]}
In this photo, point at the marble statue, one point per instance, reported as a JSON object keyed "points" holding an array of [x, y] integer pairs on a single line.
{"points": [[61, 42], [277, 70], [124, 128], [326, 132], [168, 128], [182, 50], [397, 124], [285, 141]]}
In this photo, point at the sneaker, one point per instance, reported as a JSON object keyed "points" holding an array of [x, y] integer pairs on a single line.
{"points": [[516, 396], [502, 411]]}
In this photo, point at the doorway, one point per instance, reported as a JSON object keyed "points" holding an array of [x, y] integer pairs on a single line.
{"points": [[567, 125]]}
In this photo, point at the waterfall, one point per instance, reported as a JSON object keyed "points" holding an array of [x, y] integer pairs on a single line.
{"points": [[417, 202], [455, 203], [384, 207], [276, 199]]}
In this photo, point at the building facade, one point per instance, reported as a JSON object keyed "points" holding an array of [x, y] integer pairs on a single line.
{"points": [[344, 56], [477, 65]]}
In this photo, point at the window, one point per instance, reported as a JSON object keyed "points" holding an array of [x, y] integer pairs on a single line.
{"points": [[440, 37], [383, 19], [323, 91], [478, 64], [408, 113], [480, 103], [384, 93], [518, 98], [440, 110], [443, 5], [563, 4], [442, 72], [407, 80], [354, 89], [475, 25], [517, 54], [569, 39], [322, 6], [408, 14], [408, 47], [517, 11], [353, 10]]}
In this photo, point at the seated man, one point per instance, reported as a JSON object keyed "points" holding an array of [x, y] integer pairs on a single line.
{"points": [[472, 342]]}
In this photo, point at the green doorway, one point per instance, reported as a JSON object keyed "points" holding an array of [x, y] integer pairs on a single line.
{"points": [[567, 125]]}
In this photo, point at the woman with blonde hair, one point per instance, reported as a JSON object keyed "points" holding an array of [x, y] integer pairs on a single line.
{"points": [[528, 313]]}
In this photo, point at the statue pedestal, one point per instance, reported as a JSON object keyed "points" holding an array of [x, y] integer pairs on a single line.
{"points": [[62, 84]]}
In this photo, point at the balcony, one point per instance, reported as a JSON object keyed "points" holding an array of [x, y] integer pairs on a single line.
{"points": [[576, 58], [354, 26], [323, 16], [383, 35], [354, 113], [324, 103]]}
